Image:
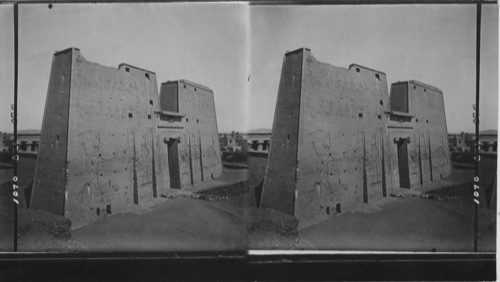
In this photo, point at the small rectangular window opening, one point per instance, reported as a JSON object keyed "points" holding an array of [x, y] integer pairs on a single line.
{"points": [[337, 208], [357, 69], [127, 69], [130, 115], [149, 116], [147, 75], [360, 115], [379, 116], [108, 209], [377, 76]]}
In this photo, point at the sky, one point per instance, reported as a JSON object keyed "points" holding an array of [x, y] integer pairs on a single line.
{"points": [[203, 43], [237, 50], [6, 66], [434, 44]]}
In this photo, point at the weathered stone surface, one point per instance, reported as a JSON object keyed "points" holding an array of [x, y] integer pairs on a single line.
{"points": [[333, 138], [100, 149], [256, 167], [429, 155], [282, 160], [199, 152]]}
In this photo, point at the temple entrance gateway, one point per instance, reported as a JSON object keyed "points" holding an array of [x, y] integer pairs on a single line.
{"points": [[403, 167], [173, 163]]}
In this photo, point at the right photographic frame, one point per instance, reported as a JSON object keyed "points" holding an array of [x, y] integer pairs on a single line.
{"points": [[371, 144]]}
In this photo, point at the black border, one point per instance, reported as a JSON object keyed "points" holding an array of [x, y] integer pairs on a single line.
{"points": [[227, 266]]}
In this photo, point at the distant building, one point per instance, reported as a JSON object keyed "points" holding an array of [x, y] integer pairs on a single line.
{"points": [[258, 141], [233, 142], [461, 142], [223, 141], [29, 142], [464, 142], [6, 142], [245, 142], [488, 144]]}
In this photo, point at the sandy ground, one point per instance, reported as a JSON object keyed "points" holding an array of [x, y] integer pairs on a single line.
{"points": [[408, 223], [233, 222], [25, 174], [393, 224], [181, 224], [6, 208], [177, 223], [6, 218]]}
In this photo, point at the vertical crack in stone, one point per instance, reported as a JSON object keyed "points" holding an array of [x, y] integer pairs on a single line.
{"points": [[420, 161], [136, 192], [153, 174], [190, 161], [201, 157], [430, 155], [384, 183], [365, 180]]}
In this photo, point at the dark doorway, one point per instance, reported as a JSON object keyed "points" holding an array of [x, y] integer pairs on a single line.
{"points": [[404, 170], [173, 163]]}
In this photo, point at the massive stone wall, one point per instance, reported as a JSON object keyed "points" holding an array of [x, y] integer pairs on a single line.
{"points": [[198, 147], [107, 161], [282, 161], [424, 127], [100, 150], [257, 162], [342, 128], [197, 102], [334, 138], [50, 172]]}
